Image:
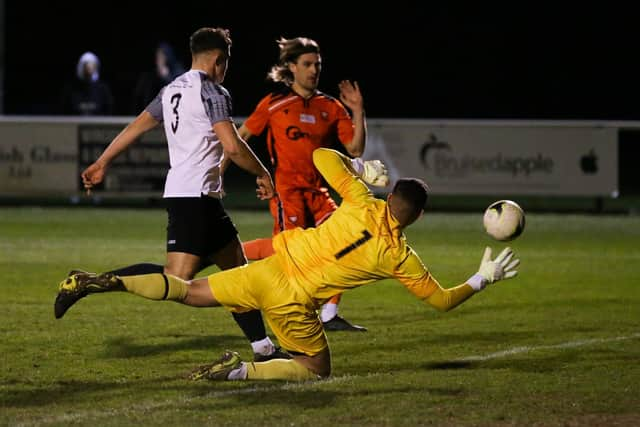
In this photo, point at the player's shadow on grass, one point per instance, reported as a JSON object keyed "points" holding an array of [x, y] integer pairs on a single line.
{"points": [[309, 395], [74, 391], [127, 347], [539, 363], [263, 394], [449, 365], [543, 365], [407, 338]]}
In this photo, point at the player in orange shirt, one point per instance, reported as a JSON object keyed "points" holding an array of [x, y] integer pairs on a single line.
{"points": [[298, 119]]}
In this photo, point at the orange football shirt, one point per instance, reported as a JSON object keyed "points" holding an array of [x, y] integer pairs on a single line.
{"points": [[295, 127]]}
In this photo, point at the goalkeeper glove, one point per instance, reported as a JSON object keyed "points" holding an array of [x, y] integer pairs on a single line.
{"points": [[372, 172], [492, 271]]}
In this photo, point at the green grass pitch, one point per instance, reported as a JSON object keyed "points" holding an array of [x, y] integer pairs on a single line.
{"points": [[557, 345]]}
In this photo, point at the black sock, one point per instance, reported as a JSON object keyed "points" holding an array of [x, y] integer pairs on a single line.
{"points": [[136, 269], [251, 324]]}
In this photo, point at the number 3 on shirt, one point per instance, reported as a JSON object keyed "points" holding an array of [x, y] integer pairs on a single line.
{"points": [[175, 101]]}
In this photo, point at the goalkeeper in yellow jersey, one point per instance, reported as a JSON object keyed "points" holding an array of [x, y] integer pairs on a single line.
{"points": [[361, 243]]}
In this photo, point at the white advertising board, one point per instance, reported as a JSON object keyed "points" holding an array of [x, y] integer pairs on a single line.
{"points": [[38, 158], [500, 159], [454, 157]]}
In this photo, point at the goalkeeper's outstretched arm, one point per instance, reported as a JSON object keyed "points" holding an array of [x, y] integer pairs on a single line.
{"points": [[490, 271]]}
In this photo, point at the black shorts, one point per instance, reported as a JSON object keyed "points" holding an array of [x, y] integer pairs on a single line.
{"points": [[198, 226]]}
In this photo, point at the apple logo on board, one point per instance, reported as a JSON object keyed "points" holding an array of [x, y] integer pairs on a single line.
{"points": [[589, 162]]}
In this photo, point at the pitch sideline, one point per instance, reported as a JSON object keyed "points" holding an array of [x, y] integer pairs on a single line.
{"points": [[528, 349]]}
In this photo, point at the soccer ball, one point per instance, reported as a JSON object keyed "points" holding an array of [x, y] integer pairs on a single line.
{"points": [[504, 220]]}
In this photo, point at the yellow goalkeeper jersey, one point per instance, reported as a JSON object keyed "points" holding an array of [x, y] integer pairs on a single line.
{"points": [[360, 243]]}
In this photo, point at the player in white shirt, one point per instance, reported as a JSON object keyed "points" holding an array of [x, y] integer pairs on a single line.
{"points": [[195, 110]]}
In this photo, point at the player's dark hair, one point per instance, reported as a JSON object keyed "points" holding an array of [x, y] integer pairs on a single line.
{"points": [[290, 51], [413, 191], [206, 39]]}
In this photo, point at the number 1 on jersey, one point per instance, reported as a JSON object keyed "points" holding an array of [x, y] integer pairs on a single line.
{"points": [[361, 241]]}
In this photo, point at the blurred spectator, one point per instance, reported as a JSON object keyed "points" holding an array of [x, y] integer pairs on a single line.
{"points": [[87, 95], [167, 67]]}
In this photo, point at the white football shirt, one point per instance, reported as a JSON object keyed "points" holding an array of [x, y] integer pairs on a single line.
{"points": [[188, 108]]}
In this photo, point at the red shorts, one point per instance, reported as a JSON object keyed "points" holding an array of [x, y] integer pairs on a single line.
{"points": [[303, 208]]}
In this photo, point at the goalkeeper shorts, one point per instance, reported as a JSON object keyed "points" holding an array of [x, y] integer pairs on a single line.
{"points": [[288, 310]]}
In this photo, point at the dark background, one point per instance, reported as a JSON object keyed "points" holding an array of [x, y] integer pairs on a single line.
{"points": [[413, 60]]}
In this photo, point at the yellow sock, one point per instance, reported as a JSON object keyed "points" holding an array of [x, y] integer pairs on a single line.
{"points": [[156, 286], [279, 369]]}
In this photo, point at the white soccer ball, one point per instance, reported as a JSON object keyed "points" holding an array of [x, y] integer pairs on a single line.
{"points": [[504, 220]]}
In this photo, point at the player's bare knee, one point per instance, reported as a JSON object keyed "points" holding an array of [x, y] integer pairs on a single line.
{"points": [[321, 368], [230, 256], [324, 373], [321, 371], [199, 294], [178, 271]]}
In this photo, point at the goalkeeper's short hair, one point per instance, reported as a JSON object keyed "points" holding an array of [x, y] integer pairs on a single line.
{"points": [[413, 191]]}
